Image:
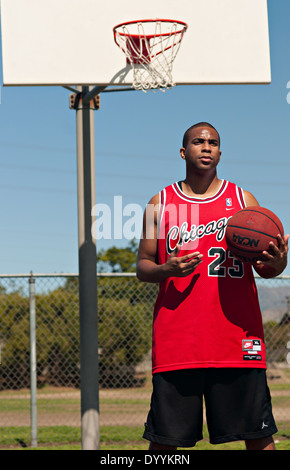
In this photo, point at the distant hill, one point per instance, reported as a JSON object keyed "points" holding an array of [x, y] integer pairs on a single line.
{"points": [[273, 301]]}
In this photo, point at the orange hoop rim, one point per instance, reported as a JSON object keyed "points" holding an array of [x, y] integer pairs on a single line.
{"points": [[156, 20]]}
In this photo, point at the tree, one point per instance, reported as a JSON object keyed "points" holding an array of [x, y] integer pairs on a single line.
{"points": [[118, 260]]}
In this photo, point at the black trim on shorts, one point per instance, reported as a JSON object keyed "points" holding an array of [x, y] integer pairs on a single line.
{"points": [[237, 403], [245, 437], [170, 442]]}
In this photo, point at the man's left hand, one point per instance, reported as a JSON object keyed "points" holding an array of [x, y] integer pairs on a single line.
{"points": [[275, 259]]}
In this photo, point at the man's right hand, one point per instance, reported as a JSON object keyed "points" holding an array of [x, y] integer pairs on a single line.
{"points": [[181, 266]]}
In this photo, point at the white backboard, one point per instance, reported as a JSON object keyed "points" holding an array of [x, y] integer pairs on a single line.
{"points": [[70, 42]]}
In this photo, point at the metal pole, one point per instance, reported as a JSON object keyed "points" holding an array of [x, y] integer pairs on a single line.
{"points": [[33, 378], [87, 276], [92, 92]]}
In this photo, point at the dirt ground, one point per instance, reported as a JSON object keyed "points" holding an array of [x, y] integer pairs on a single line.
{"points": [[127, 407]]}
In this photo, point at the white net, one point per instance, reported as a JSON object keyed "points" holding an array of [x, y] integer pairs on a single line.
{"points": [[150, 48]]}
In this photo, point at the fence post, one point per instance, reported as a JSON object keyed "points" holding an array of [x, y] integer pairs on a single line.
{"points": [[33, 379]]}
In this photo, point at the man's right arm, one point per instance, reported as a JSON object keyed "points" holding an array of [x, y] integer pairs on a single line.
{"points": [[148, 270]]}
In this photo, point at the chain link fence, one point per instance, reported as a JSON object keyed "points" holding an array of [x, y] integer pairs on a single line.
{"points": [[125, 308]]}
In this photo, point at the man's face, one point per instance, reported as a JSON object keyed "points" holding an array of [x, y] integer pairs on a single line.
{"points": [[202, 151]]}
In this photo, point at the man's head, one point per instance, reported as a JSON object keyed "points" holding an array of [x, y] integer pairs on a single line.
{"points": [[199, 124], [201, 148]]}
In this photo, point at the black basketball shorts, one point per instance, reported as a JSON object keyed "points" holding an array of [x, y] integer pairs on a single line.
{"points": [[237, 404]]}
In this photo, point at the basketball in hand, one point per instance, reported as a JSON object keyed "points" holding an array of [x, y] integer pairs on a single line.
{"points": [[250, 231]]}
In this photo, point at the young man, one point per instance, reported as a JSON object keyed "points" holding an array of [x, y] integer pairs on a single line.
{"points": [[207, 327]]}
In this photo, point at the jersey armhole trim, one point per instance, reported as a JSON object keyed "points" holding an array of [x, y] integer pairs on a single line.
{"points": [[241, 198]]}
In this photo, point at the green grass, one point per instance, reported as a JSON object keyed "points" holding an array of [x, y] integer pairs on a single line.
{"points": [[285, 386], [19, 436], [112, 438], [53, 406], [51, 403]]}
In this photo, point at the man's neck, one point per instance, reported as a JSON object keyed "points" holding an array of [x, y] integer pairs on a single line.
{"points": [[201, 185]]}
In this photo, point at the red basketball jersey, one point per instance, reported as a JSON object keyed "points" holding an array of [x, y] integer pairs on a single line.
{"points": [[212, 317]]}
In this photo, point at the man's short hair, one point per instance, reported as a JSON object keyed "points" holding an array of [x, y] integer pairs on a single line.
{"points": [[199, 124]]}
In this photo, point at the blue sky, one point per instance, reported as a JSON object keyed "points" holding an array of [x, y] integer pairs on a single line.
{"points": [[138, 137]]}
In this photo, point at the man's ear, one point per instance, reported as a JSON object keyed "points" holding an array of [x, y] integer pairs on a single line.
{"points": [[182, 153]]}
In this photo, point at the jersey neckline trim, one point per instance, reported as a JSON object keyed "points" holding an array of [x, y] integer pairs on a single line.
{"points": [[178, 190]]}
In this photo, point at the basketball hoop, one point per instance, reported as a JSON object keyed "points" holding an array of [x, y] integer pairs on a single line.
{"points": [[150, 47]]}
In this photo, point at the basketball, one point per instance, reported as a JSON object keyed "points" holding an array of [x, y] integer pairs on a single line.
{"points": [[250, 231]]}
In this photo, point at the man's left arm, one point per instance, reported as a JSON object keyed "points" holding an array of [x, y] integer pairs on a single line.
{"points": [[275, 259]]}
